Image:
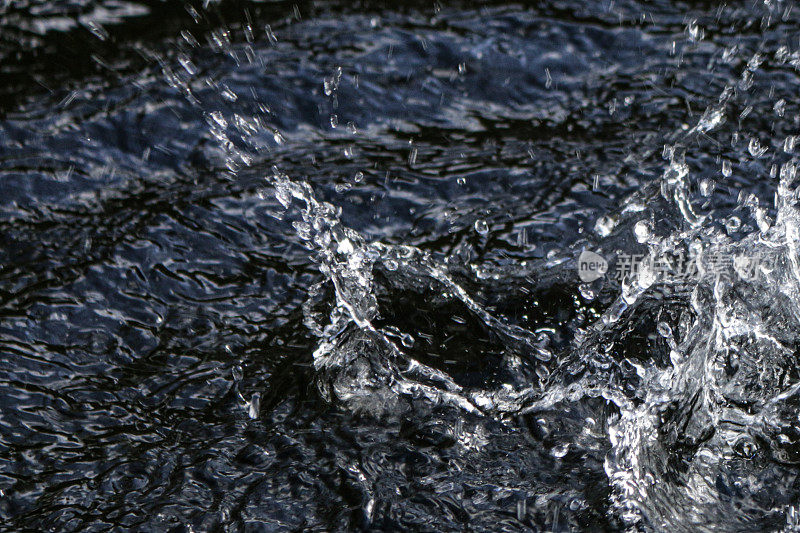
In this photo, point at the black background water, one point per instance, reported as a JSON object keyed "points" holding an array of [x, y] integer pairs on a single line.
{"points": [[151, 293]]}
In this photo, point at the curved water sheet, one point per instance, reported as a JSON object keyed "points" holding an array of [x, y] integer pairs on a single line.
{"points": [[500, 268]]}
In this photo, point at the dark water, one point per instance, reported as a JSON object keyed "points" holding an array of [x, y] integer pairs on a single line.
{"points": [[270, 266]]}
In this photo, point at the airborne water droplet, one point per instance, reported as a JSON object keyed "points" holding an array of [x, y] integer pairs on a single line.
{"points": [[755, 148], [254, 406], [726, 168], [605, 225], [642, 231], [707, 187]]}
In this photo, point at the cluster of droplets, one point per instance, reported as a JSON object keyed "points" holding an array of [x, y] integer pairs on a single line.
{"points": [[364, 364]]}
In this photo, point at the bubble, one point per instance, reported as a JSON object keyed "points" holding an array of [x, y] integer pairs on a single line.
{"points": [[481, 226], [733, 224], [407, 340]]}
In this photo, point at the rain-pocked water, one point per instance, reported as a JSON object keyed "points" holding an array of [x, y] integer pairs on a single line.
{"points": [[270, 266]]}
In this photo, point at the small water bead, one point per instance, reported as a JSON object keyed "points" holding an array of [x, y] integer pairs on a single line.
{"points": [[664, 330], [270, 34], [755, 148], [745, 112], [254, 406], [461, 181], [481, 226], [228, 94], [358, 177], [331, 83], [695, 31], [642, 231], [587, 292], [412, 157], [727, 168], [707, 187], [605, 225]]}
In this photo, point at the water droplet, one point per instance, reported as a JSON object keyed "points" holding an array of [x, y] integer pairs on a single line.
{"points": [[481, 226], [695, 32], [755, 148], [664, 330], [586, 291], [707, 187], [605, 225], [270, 34], [254, 406], [727, 169], [642, 231], [97, 30], [780, 107]]}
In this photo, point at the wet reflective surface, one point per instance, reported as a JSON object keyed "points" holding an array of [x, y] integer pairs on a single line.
{"points": [[267, 266]]}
